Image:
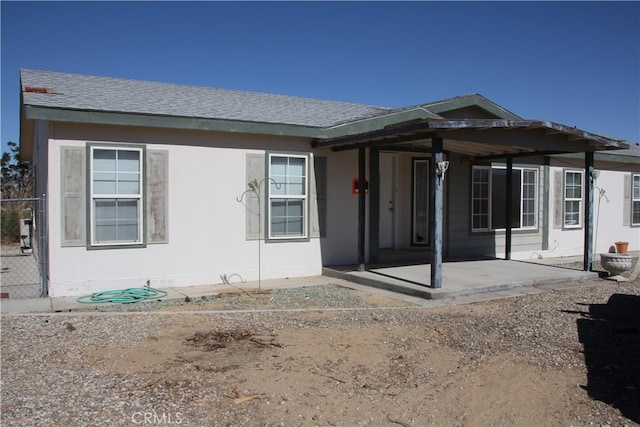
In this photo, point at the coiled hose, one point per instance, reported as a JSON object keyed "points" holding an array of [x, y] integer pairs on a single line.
{"points": [[123, 296]]}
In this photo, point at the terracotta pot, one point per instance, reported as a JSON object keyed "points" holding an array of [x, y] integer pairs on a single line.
{"points": [[622, 247]]}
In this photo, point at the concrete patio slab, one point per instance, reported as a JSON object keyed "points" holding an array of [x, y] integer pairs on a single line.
{"points": [[461, 278]]}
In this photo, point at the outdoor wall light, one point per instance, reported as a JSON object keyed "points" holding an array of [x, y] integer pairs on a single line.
{"points": [[442, 168], [594, 175]]}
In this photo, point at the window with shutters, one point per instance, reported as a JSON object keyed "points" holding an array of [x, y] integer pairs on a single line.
{"points": [[116, 195], [573, 199], [288, 196]]}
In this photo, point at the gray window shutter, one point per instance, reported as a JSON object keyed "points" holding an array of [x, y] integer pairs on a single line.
{"points": [[157, 197], [255, 211], [626, 203], [558, 197], [73, 191], [318, 197]]}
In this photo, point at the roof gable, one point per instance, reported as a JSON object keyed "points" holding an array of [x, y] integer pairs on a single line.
{"points": [[473, 106]]}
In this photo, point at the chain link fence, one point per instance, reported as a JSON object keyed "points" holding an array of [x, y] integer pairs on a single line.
{"points": [[23, 262]]}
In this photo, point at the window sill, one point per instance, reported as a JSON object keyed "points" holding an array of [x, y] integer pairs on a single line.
{"points": [[116, 246]]}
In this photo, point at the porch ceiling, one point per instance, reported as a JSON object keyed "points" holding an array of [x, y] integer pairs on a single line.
{"points": [[480, 138]]}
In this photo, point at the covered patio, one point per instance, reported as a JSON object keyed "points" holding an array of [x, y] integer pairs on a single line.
{"points": [[478, 140], [461, 278]]}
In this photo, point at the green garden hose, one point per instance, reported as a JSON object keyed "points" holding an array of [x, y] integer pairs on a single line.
{"points": [[123, 296]]}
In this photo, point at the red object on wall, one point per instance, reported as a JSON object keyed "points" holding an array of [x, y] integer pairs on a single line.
{"points": [[33, 89], [355, 186]]}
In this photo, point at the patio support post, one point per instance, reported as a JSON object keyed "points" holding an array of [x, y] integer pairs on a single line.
{"points": [[508, 209], [374, 205], [437, 181], [588, 211], [361, 206]]}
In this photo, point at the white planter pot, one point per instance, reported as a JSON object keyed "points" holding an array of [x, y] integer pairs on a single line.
{"points": [[616, 264]]}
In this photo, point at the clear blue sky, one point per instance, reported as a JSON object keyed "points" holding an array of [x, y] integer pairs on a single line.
{"points": [[575, 63]]}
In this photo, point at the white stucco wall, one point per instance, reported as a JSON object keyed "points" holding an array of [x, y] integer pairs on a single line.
{"points": [[207, 236], [340, 246], [207, 172], [608, 227]]}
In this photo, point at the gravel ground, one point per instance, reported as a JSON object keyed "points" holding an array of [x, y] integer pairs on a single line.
{"points": [[291, 298], [110, 369]]}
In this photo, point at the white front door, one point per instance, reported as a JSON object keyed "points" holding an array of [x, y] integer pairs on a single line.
{"points": [[387, 200]]}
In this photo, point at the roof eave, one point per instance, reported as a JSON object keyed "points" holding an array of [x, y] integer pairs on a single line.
{"points": [[221, 125], [172, 122], [399, 121], [573, 134], [373, 124], [26, 133], [607, 156], [490, 131]]}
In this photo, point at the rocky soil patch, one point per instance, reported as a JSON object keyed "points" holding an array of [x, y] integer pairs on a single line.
{"points": [[561, 358]]}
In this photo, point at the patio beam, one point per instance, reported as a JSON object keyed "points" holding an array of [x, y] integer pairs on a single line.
{"points": [[436, 220], [384, 141], [405, 148], [533, 139], [524, 154]]}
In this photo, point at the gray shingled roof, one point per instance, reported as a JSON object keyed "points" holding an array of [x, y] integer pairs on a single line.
{"points": [[633, 151], [105, 94], [69, 97]]}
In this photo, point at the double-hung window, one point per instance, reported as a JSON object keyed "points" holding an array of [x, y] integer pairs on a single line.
{"points": [[635, 201], [572, 199], [288, 196], [489, 195], [529, 200], [116, 195], [481, 198]]}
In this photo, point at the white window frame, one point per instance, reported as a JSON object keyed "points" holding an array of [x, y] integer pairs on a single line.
{"points": [[482, 214], [523, 199], [566, 199], [275, 184], [635, 198], [94, 197], [489, 183]]}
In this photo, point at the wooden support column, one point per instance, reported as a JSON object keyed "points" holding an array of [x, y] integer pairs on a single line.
{"points": [[362, 204], [588, 210], [508, 209], [436, 219], [374, 205]]}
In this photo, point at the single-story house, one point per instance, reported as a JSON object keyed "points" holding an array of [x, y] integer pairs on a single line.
{"points": [[175, 185]]}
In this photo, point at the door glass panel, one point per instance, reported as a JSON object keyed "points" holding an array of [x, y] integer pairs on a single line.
{"points": [[420, 202]]}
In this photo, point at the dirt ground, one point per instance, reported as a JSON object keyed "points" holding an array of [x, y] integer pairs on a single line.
{"points": [[525, 361], [390, 368]]}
